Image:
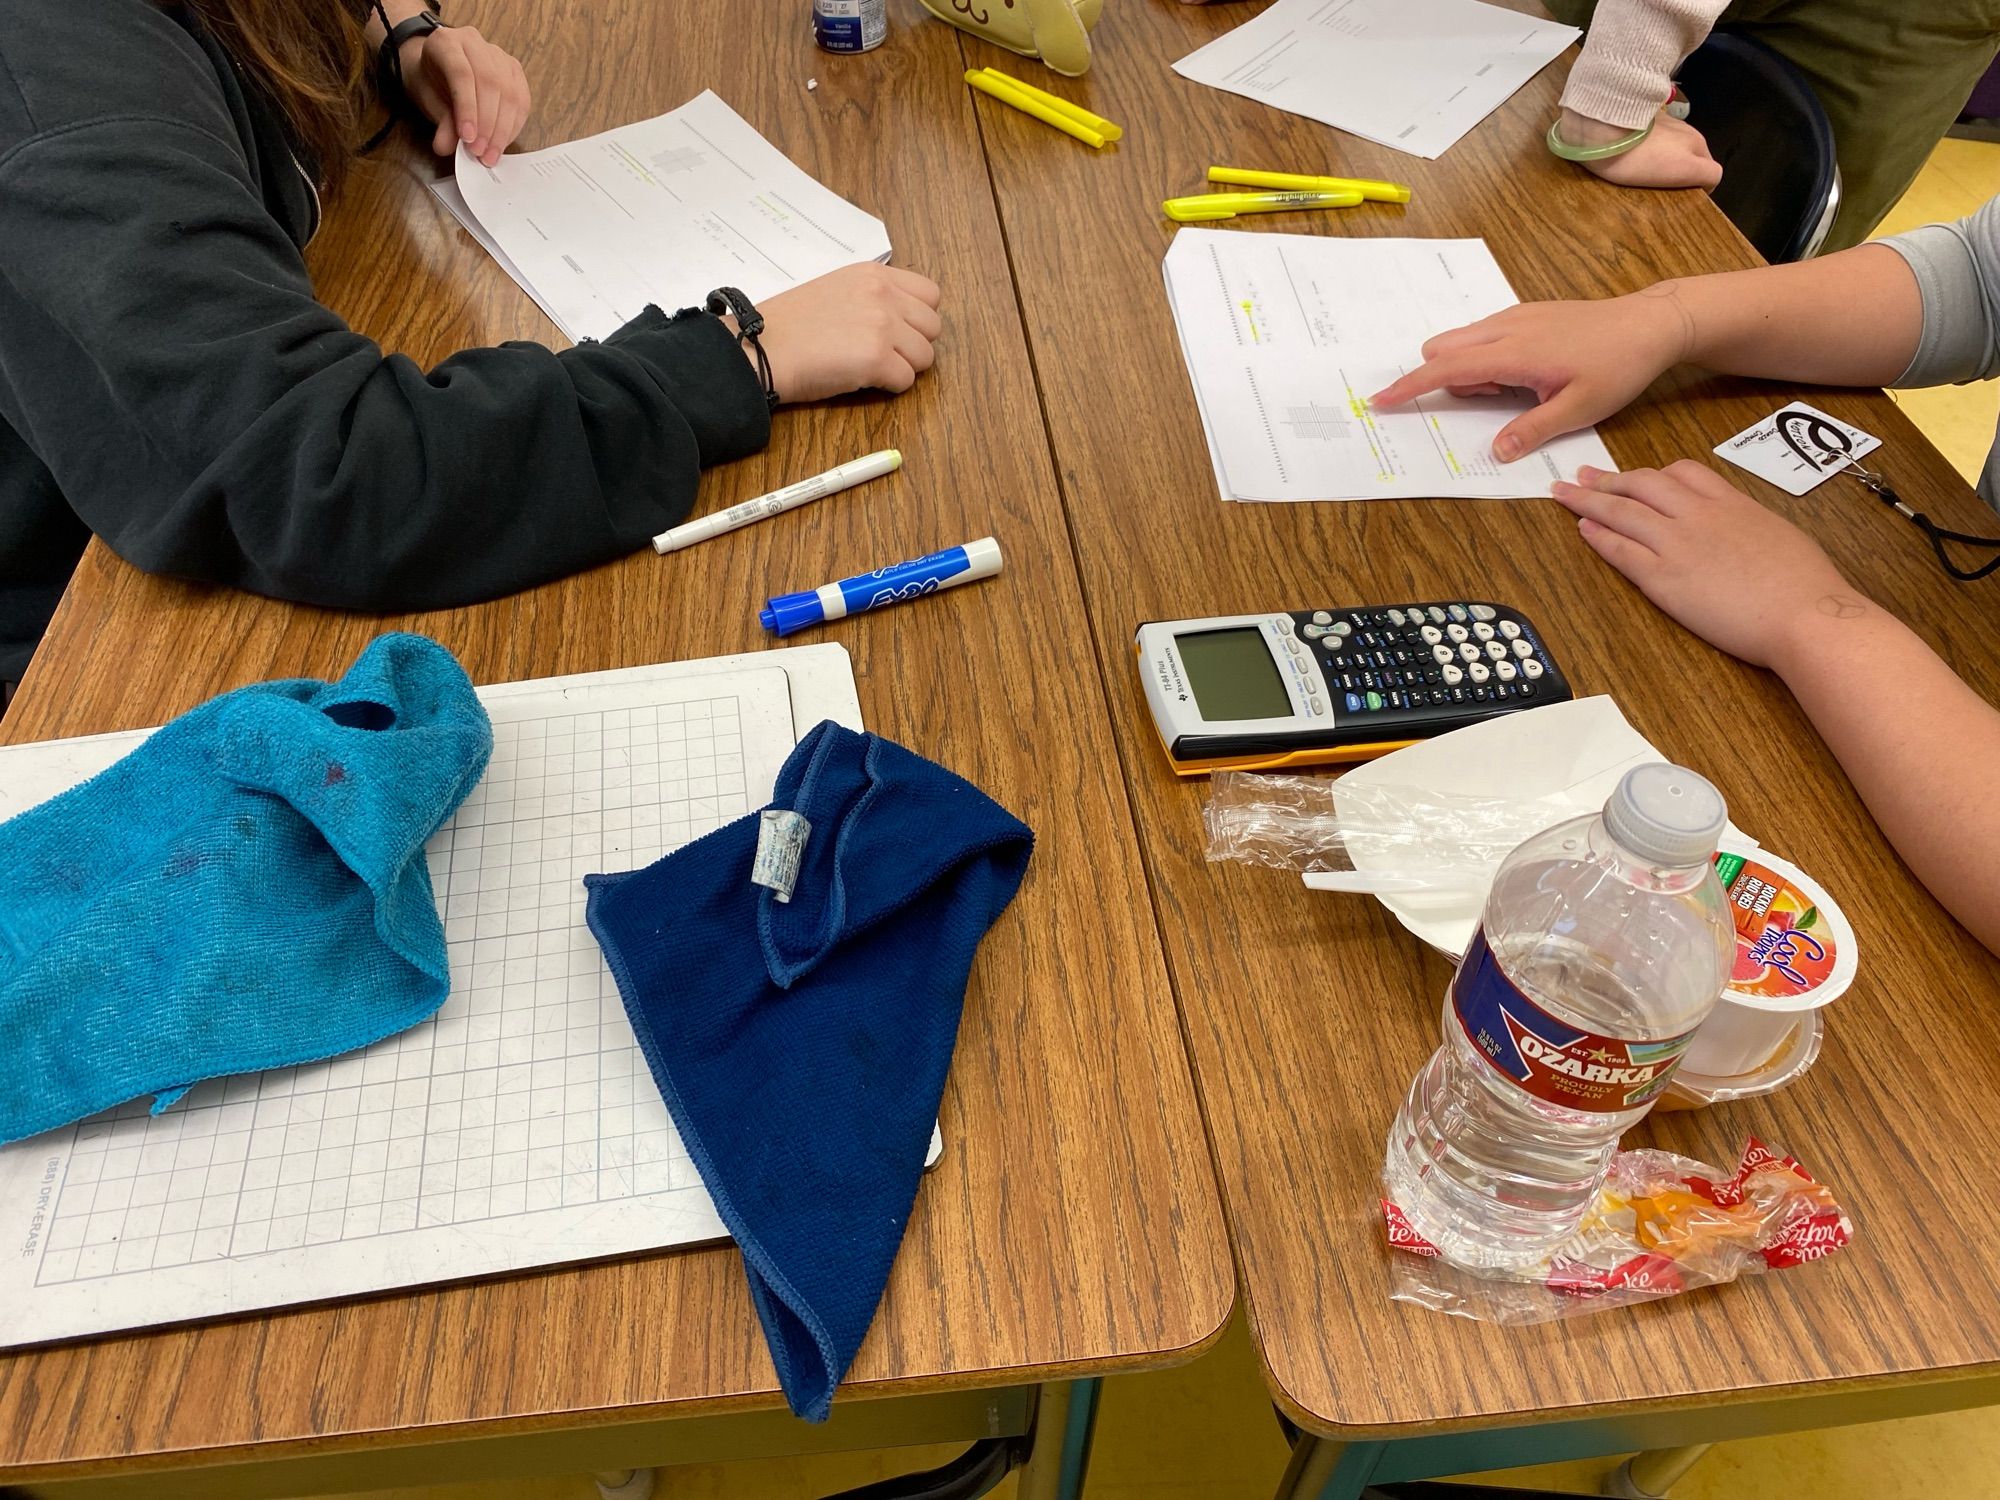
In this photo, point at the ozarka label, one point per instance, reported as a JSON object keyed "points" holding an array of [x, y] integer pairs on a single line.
{"points": [[1549, 1058]]}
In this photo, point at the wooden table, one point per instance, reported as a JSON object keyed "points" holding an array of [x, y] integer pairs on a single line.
{"points": [[1073, 1226], [1307, 1014]]}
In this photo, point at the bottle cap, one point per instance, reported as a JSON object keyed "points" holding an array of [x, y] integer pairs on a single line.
{"points": [[1666, 815]]}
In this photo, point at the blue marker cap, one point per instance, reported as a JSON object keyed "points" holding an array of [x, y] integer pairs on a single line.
{"points": [[790, 612]]}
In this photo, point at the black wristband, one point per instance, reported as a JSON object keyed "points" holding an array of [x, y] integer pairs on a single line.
{"points": [[727, 301], [389, 63]]}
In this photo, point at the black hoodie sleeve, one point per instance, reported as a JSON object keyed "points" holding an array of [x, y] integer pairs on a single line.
{"points": [[162, 352]]}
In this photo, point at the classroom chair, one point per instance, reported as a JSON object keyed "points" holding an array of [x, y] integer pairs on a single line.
{"points": [[1780, 184]]}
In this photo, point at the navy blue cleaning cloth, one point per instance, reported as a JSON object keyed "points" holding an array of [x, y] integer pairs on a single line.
{"points": [[802, 1045], [245, 890]]}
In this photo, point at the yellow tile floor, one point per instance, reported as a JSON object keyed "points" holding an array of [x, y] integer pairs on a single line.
{"points": [[1205, 1431]]}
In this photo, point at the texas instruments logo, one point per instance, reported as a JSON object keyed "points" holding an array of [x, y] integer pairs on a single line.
{"points": [[1168, 665]]}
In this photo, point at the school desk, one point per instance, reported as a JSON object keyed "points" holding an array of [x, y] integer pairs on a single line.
{"points": [[1307, 1014], [1073, 1226]]}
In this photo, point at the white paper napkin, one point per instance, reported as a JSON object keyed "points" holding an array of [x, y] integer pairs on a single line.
{"points": [[1567, 757]]}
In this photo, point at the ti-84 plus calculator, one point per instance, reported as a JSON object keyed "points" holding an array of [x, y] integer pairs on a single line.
{"points": [[1311, 686]]}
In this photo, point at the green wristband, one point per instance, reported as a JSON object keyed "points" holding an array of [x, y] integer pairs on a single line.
{"points": [[1560, 147]]}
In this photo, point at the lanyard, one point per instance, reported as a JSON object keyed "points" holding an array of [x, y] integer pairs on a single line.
{"points": [[1804, 432]]}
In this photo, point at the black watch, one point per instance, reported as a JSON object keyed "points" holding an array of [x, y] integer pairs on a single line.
{"points": [[727, 301], [389, 62]]}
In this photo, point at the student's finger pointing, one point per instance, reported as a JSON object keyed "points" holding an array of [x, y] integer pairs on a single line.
{"points": [[1432, 375]]}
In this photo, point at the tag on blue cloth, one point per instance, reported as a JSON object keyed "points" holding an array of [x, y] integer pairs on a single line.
{"points": [[801, 1045], [246, 890], [781, 844]]}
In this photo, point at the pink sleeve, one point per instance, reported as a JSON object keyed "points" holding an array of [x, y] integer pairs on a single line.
{"points": [[1630, 54]]}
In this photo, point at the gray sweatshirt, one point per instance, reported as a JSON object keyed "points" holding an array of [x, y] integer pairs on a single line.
{"points": [[1958, 269]]}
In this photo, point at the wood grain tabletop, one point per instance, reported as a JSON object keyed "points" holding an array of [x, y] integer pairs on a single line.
{"points": [[1307, 1014], [1073, 1224]]}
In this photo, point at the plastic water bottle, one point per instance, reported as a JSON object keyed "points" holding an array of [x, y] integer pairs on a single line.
{"points": [[1605, 942]]}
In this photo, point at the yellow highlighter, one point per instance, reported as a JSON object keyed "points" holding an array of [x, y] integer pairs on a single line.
{"points": [[996, 87], [1210, 206], [1374, 192], [1059, 104]]}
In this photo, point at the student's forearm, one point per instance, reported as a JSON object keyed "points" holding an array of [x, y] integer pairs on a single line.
{"points": [[1919, 745], [1849, 319]]}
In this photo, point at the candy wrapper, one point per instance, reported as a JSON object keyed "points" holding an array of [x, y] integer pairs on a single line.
{"points": [[1662, 1225]]}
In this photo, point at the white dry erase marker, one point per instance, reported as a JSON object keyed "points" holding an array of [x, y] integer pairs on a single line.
{"points": [[832, 482]]}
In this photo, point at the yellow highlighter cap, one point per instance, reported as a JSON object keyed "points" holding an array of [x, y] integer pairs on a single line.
{"points": [[1191, 211]]}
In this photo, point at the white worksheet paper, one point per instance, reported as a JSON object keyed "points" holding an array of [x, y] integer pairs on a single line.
{"points": [[1287, 336], [519, 1127], [662, 211], [448, 194], [1414, 75]]}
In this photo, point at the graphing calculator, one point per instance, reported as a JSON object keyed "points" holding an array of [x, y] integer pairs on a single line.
{"points": [[1310, 687]]}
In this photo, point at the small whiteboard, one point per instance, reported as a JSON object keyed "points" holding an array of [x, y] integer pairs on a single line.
{"points": [[518, 1127]]}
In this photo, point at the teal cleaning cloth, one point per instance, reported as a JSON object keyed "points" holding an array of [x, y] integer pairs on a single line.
{"points": [[245, 890], [800, 1029]]}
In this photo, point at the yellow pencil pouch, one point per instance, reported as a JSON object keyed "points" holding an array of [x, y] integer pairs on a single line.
{"points": [[1056, 31]]}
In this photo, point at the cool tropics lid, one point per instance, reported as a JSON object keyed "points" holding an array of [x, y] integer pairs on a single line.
{"points": [[1794, 948]]}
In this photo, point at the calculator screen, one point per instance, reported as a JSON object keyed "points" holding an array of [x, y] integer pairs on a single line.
{"points": [[1233, 675]]}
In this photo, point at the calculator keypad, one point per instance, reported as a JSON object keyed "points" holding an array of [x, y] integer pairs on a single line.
{"points": [[1444, 661]]}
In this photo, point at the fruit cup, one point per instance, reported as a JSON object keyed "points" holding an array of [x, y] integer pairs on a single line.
{"points": [[1795, 954]]}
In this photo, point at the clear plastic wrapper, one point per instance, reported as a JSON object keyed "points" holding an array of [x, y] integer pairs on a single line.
{"points": [[1319, 823], [1663, 1224]]}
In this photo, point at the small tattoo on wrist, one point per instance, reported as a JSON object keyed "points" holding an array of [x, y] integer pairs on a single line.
{"points": [[1841, 607]]}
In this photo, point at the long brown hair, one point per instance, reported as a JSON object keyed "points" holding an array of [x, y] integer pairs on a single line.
{"points": [[309, 56]]}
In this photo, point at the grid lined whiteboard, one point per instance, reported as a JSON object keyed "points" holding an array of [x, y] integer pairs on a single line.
{"points": [[518, 1127]]}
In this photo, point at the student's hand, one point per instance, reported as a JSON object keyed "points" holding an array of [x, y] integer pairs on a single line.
{"points": [[866, 327], [1584, 361], [1675, 155], [1739, 576], [473, 91]]}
